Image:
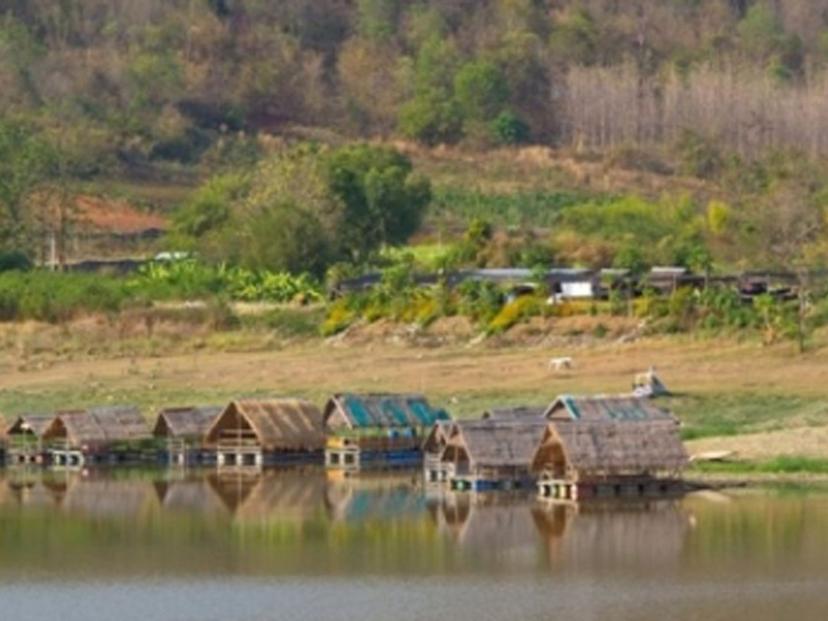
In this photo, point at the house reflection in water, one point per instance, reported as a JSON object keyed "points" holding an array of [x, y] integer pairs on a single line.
{"points": [[614, 534], [495, 526], [379, 495], [32, 489]]}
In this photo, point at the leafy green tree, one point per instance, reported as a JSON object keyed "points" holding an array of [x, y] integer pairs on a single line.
{"points": [[481, 90], [576, 39], [209, 208], [378, 18], [432, 118], [384, 201], [285, 237], [27, 161], [508, 128]]}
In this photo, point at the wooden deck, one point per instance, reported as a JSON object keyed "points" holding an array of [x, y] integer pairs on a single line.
{"points": [[622, 487]]}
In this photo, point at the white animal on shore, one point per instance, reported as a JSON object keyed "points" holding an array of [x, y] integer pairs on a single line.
{"points": [[559, 364]]}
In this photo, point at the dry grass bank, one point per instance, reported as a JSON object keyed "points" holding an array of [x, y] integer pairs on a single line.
{"points": [[755, 400]]}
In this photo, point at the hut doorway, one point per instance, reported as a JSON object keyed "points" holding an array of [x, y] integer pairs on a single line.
{"points": [[551, 459], [459, 457]]}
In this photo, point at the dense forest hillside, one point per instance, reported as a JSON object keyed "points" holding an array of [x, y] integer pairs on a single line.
{"points": [[151, 79], [276, 146], [158, 97]]}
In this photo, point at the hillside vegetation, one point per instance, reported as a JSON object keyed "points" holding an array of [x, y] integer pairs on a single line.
{"points": [[294, 144]]}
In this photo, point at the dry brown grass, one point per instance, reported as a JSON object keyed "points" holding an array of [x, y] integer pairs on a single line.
{"points": [[773, 395]]}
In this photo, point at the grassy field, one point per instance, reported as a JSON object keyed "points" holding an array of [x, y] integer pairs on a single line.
{"points": [[761, 402]]}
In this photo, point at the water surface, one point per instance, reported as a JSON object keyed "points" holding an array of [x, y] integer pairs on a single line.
{"points": [[298, 544]]}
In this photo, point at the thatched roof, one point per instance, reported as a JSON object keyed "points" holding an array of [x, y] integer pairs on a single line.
{"points": [[185, 422], [595, 448], [498, 443], [99, 426], [278, 424], [520, 412], [36, 424], [354, 411], [437, 437], [617, 408]]}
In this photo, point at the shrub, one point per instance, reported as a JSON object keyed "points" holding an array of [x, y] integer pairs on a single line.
{"points": [[514, 312], [340, 316], [14, 260], [509, 129]]}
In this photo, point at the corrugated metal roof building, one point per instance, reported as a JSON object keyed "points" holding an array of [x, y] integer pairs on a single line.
{"points": [[357, 412]]}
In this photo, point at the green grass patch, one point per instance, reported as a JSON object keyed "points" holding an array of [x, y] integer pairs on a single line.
{"points": [[289, 321], [534, 208], [713, 415], [777, 465]]}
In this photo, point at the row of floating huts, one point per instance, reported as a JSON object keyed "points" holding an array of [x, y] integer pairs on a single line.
{"points": [[577, 447]]}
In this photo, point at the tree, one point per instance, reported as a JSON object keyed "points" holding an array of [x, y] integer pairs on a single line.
{"points": [[431, 118], [784, 230], [27, 161], [306, 208], [508, 128], [378, 18], [481, 91], [384, 200], [209, 208]]}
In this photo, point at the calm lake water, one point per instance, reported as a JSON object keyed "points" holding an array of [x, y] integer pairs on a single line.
{"points": [[299, 545]]}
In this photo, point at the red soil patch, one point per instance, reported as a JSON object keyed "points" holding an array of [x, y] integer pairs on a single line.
{"points": [[114, 216]]}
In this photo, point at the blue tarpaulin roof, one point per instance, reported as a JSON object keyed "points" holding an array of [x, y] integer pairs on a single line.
{"points": [[385, 410]]}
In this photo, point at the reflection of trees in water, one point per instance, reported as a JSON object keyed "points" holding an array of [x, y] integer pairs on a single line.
{"points": [[613, 533]]}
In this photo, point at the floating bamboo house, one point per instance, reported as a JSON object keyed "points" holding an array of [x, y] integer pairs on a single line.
{"points": [[100, 435], [23, 439], [433, 447], [260, 432], [378, 429], [608, 446], [184, 429], [490, 454]]}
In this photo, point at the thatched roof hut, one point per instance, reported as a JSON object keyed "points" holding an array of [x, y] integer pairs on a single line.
{"points": [[353, 412], [520, 412], [185, 423], [591, 438], [493, 447], [269, 424], [33, 425], [606, 408], [99, 427]]}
